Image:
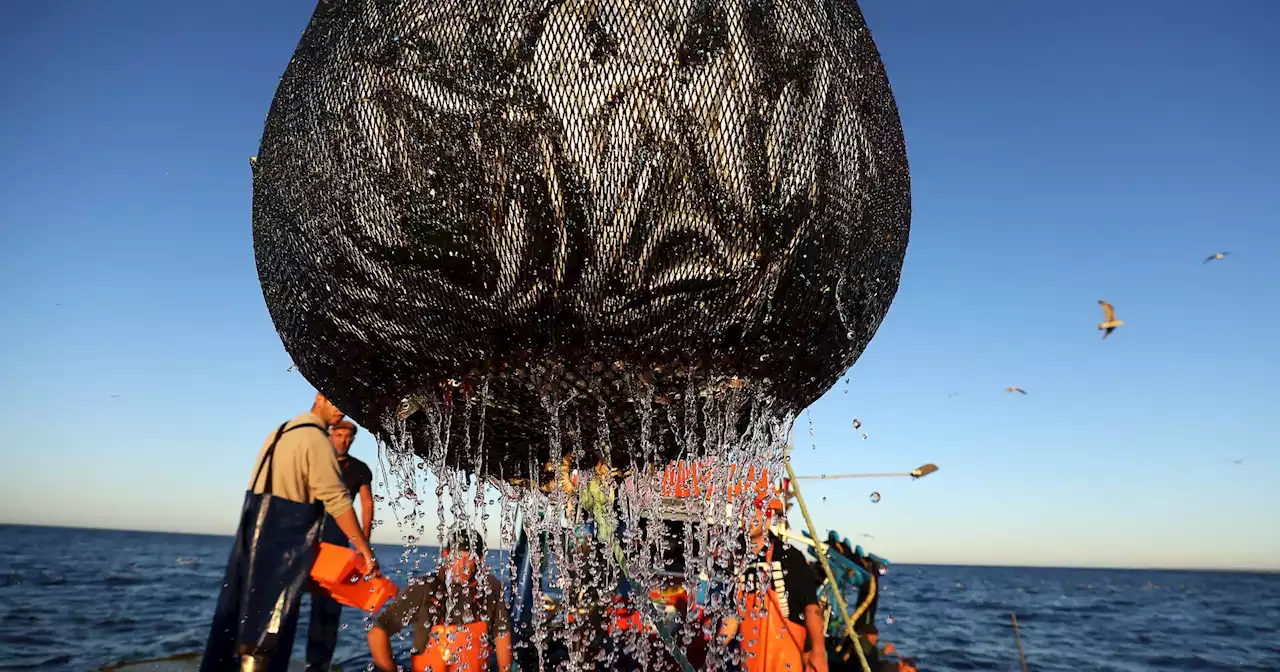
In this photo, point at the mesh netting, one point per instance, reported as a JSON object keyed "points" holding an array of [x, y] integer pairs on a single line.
{"points": [[530, 206]]}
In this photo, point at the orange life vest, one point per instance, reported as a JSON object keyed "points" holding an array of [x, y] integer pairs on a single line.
{"points": [[455, 648], [771, 642]]}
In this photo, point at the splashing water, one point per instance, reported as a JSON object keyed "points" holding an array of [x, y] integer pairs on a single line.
{"points": [[595, 530]]}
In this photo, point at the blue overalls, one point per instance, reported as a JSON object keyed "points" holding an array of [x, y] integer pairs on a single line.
{"points": [[275, 546]]}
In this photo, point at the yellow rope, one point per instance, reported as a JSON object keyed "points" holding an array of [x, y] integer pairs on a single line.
{"points": [[822, 558], [871, 595]]}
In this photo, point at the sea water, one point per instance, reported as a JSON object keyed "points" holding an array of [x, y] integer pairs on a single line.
{"points": [[73, 599]]}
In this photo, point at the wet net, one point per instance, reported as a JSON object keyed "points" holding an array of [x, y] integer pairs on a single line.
{"points": [[496, 223]]}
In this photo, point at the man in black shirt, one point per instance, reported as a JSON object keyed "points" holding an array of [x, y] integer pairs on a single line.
{"points": [[355, 473], [780, 571], [326, 613]]}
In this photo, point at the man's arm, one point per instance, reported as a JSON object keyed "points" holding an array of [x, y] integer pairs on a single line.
{"points": [[347, 523], [728, 630], [366, 511], [503, 644], [380, 649], [391, 621], [324, 478], [499, 624], [813, 623]]}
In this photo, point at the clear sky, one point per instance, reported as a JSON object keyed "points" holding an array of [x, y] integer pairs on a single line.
{"points": [[1060, 153]]}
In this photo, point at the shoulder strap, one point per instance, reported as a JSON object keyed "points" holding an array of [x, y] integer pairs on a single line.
{"points": [[267, 460]]}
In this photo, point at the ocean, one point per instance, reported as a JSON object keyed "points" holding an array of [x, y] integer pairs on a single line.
{"points": [[73, 599]]}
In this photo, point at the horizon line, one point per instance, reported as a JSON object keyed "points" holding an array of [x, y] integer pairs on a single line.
{"points": [[1219, 570]]}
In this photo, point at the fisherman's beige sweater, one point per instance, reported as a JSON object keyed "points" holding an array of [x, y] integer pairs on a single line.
{"points": [[306, 467]]}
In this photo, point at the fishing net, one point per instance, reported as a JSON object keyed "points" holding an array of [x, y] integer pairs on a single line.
{"points": [[509, 219]]}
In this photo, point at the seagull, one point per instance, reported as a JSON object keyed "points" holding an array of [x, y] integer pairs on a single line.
{"points": [[1109, 322], [292, 368], [1011, 388], [1216, 257], [952, 394], [857, 424], [1239, 461]]}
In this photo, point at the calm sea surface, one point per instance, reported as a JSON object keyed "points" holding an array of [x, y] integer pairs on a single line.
{"points": [[78, 599]]}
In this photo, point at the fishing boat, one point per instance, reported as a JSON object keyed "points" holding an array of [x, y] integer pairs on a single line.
{"points": [[182, 662], [669, 613]]}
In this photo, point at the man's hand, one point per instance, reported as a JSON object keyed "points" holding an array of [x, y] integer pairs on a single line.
{"points": [[370, 562], [816, 660], [729, 630]]}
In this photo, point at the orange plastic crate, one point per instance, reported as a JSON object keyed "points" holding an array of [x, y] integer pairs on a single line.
{"points": [[340, 572]]}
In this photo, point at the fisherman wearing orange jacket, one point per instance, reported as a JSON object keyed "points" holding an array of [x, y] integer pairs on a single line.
{"points": [[780, 620], [457, 613]]}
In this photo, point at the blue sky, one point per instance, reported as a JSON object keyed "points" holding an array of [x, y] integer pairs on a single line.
{"points": [[1061, 153]]}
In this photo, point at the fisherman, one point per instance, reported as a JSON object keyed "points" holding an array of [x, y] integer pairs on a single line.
{"points": [[457, 613], [782, 623], [326, 612], [296, 480], [857, 574]]}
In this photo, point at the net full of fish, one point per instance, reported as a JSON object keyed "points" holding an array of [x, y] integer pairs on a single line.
{"points": [[499, 234]]}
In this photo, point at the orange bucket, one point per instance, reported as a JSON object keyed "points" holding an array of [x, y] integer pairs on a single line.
{"points": [[340, 572]]}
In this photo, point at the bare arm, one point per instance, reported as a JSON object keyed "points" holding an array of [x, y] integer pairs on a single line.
{"points": [[380, 649], [503, 644], [347, 523], [366, 511], [729, 630], [813, 622]]}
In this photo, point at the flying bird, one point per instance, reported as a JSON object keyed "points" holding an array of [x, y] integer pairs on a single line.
{"points": [[1109, 321], [291, 369], [952, 394], [1011, 388], [1239, 461], [857, 424], [1216, 257]]}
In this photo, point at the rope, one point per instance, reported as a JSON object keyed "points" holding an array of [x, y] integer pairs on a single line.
{"points": [[596, 508], [862, 608], [1021, 655]]}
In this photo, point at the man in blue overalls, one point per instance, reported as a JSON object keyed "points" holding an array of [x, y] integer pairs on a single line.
{"points": [[295, 481]]}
